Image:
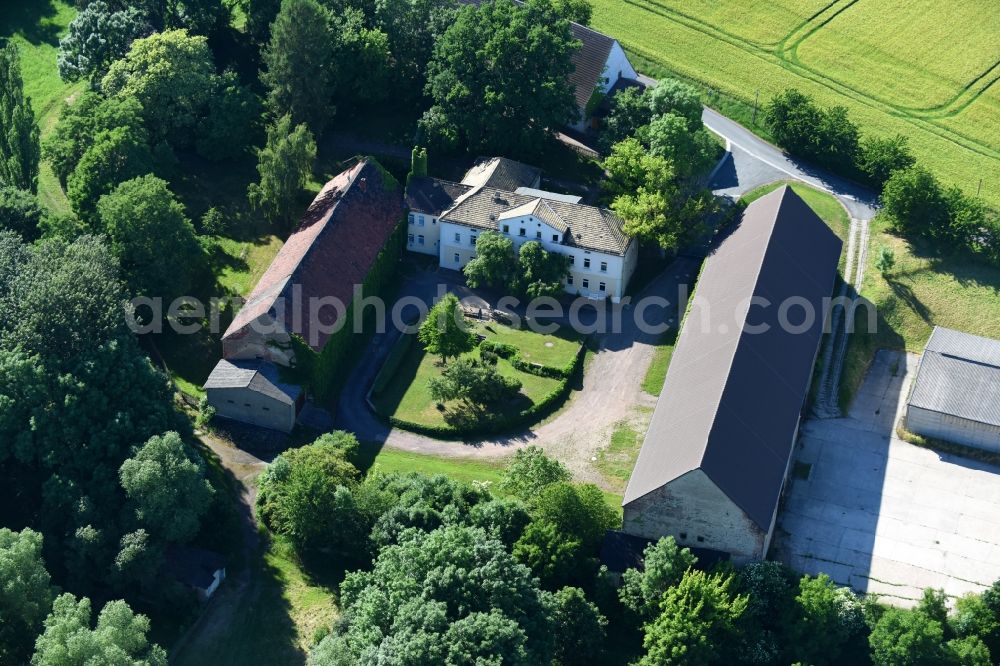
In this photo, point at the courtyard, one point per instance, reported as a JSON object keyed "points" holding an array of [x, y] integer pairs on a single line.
{"points": [[885, 516]]}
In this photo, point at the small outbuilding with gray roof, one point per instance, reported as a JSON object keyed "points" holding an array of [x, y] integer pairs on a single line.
{"points": [[251, 391], [714, 461], [956, 395]]}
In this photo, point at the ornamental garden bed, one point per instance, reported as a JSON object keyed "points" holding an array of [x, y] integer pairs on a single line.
{"points": [[546, 366]]}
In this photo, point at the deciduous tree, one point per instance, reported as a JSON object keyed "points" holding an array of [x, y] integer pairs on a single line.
{"points": [[284, 164], [20, 212], [540, 272], [152, 237], [495, 263], [116, 155], [25, 593], [671, 96], [444, 331], [119, 637], [529, 471], [474, 383], [499, 78], [166, 487], [664, 565]]}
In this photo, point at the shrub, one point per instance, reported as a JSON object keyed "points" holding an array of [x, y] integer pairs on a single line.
{"points": [[501, 349]]}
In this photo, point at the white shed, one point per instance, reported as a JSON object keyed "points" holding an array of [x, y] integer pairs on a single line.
{"points": [[956, 395], [251, 391]]}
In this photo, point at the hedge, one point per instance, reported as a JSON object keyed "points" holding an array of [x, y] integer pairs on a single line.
{"points": [[500, 424], [511, 353]]}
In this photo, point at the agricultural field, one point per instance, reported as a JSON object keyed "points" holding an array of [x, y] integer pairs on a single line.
{"points": [[926, 69]]}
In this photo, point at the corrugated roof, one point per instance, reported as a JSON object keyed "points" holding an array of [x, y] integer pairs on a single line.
{"points": [[501, 173], [432, 195], [589, 227], [338, 239], [959, 375], [732, 398], [255, 374]]}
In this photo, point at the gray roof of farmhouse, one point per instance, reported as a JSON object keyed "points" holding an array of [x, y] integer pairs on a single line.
{"points": [[588, 227], [501, 173], [732, 398], [254, 374], [433, 195], [959, 375]]}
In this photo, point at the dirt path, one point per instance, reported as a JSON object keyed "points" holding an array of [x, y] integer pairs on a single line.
{"points": [[240, 591], [611, 393]]}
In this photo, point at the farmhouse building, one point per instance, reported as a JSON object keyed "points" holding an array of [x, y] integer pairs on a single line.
{"points": [[501, 195], [956, 395], [714, 461], [332, 251]]}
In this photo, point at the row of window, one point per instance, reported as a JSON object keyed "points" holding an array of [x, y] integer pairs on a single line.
{"points": [[420, 239], [419, 220], [523, 233], [585, 283], [538, 234]]}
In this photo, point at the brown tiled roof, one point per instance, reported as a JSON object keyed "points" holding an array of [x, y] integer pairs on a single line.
{"points": [[589, 227], [733, 394], [337, 241], [432, 195], [588, 62], [501, 173]]}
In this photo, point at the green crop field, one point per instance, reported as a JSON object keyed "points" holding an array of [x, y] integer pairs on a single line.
{"points": [[927, 69]]}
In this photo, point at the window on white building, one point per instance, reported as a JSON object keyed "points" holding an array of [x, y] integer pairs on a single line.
{"points": [[586, 283], [412, 217], [572, 260], [538, 235], [458, 237], [472, 240], [604, 267], [506, 228], [420, 239], [602, 287], [457, 258], [569, 279], [521, 233], [420, 220], [555, 238], [409, 238], [586, 262]]}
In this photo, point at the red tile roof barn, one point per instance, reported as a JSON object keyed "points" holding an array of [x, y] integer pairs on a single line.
{"points": [[338, 239]]}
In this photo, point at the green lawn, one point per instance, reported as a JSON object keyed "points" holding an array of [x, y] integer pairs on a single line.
{"points": [[921, 68], [824, 205], [553, 350], [408, 396], [922, 291]]}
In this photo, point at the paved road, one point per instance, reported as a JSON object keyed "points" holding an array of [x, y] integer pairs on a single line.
{"points": [[756, 162]]}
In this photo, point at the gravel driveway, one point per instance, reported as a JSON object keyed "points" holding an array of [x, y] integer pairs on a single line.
{"points": [[611, 391]]}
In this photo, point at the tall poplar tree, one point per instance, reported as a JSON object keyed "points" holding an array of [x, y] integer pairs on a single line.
{"points": [[19, 146]]}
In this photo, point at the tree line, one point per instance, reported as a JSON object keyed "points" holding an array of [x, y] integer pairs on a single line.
{"points": [[446, 572]]}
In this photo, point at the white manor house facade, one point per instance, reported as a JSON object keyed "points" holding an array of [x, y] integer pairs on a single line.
{"points": [[446, 218]]}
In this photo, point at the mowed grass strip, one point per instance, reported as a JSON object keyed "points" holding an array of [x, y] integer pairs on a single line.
{"points": [[739, 70], [912, 53]]}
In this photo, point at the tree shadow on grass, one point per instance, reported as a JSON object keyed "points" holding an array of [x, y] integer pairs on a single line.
{"points": [[28, 18], [906, 294]]}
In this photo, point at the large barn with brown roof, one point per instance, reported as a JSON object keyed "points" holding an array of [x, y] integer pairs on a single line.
{"points": [[714, 462], [332, 251]]}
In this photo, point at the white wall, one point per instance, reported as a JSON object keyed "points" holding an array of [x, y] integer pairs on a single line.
{"points": [[272, 346], [696, 513], [952, 429], [617, 67], [247, 406], [429, 230], [615, 278]]}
